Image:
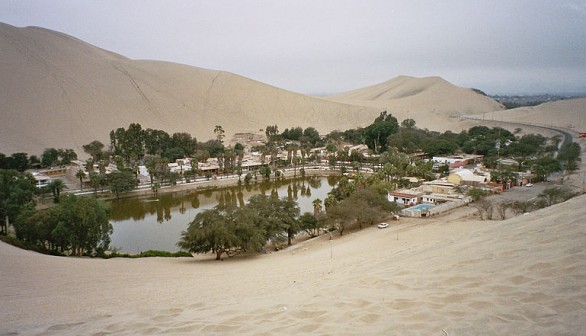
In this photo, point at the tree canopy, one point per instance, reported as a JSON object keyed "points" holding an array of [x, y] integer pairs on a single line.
{"points": [[16, 195], [121, 182], [79, 225], [378, 132], [228, 229]]}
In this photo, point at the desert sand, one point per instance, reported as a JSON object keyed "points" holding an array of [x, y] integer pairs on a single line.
{"points": [[58, 91], [565, 114], [521, 276], [430, 101]]}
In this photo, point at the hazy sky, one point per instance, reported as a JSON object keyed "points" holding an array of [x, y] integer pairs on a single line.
{"points": [[324, 47]]}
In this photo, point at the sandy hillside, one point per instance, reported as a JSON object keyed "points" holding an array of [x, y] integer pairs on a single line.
{"points": [[568, 114], [57, 91], [431, 101], [522, 276]]}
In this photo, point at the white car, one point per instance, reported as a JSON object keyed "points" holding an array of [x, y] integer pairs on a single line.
{"points": [[529, 185], [383, 225]]}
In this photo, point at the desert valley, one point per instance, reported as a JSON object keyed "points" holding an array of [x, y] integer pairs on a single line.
{"points": [[453, 274]]}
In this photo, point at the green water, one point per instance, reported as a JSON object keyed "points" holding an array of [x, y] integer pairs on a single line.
{"points": [[155, 222]]}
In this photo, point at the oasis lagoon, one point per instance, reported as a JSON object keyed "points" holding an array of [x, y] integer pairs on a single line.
{"points": [[145, 223]]}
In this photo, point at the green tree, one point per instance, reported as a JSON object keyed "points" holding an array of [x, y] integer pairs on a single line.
{"points": [[223, 230], [174, 153], [121, 182], [272, 132], [477, 194], [36, 227], [80, 175], [341, 217], [95, 150], [407, 140], [316, 206], [185, 141], [545, 166], [50, 157], [555, 195], [310, 224], [220, 134], [379, 131], [130, 143], [434, 147], [277, 217], [18, 161], [84, 224], [247, 178], [265, 171], [569, 155], [312, 136], [16, 193], [56, 186], [95, 181], [66, 156], [156, 142], [408, 123]]}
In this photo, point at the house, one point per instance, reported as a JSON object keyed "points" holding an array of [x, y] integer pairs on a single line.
{"points": [[403, 197], [249, 164], [210, 166], [53, 172], [438, 187], [41, 179], [455, 161], [468, 177]]}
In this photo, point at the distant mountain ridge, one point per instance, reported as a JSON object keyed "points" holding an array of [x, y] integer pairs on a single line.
{"points": [[58, 91]]}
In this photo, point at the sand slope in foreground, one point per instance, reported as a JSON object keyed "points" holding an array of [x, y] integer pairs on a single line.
{"points": [[522, 276]]}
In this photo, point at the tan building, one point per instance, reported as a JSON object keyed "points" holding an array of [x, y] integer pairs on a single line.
{"points": [[467, 177]]}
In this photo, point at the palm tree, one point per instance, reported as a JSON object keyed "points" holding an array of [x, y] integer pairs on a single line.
{"points": [[316, 206], [95, 181], [56, 186], [330, 201], [80, 175]]}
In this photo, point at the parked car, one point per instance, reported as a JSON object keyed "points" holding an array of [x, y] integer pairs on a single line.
{"points": [[529, 185], [383, 225]]}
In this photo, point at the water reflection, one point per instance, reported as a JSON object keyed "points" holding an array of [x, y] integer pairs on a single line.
{"points": [[156, 222]]}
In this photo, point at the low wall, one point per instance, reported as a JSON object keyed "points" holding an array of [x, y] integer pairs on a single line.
{"points": [[449, 206]]}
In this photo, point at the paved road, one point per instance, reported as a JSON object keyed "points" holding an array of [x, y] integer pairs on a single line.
{"points": [[522, 193]]}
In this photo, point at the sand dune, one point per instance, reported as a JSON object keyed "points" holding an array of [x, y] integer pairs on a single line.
{"points": [[430, 101], [58, 91], [569, 114], [61, 92], [522, 276]]}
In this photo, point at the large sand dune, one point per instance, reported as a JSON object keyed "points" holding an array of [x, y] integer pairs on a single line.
{"points": [[58, 91], [522, 276], [430, 101]]}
